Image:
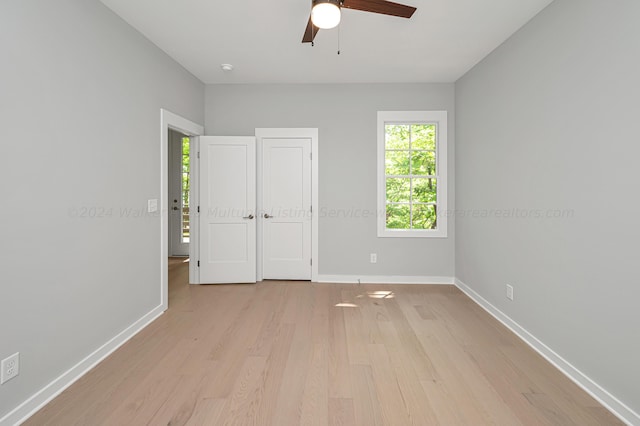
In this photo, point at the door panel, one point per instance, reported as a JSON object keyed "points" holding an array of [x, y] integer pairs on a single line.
{"points": [[287, 209], [228, 167], [228, 232], [286, 240], [227, 209]]}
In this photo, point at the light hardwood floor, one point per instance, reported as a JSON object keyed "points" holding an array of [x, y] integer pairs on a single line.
{"points": [[282, 353]]}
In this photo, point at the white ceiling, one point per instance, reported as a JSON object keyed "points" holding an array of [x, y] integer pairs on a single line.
{"points": [[262, 39]]}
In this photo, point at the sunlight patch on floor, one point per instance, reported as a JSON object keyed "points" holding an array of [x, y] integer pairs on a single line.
{"points": [[346, 305]]}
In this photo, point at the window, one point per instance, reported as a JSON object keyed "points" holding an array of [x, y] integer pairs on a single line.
{"points": [[412, 173], [185, 190]]}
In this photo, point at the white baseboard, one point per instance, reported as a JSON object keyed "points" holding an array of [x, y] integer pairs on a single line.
{"points": [[29, 407], [617, 407], [383, 279]]}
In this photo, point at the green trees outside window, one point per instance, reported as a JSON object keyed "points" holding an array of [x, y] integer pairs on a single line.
{"points": [[186, 168], [410, 176]]}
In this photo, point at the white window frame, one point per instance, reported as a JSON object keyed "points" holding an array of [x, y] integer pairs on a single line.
{"points": [[439, 118]]}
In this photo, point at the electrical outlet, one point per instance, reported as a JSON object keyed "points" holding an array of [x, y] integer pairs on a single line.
{"points": [[10, 368], [509, 292], [373, 257]]}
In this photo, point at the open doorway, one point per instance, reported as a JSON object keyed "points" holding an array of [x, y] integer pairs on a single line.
{"points": [[184, 130], [179, 182], [179, 188]]}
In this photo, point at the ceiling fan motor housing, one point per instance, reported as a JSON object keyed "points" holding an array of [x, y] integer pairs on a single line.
{"points": [[336, 2], [325, 14]]}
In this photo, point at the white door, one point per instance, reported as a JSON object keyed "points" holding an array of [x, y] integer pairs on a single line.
{"points": [[286, 203], [227, 209], [178, 194]]}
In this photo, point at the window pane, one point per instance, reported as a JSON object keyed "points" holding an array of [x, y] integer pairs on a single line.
{"points": [[396, 136], [424, 190], [423, 136], [424, 217], [398, 216], [398, 190], [423, 163], [185, 190], [397, 163]]}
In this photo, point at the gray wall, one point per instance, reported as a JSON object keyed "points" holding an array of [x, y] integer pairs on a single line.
{"points": [[346, 118], [80, 99], [549, 121]]}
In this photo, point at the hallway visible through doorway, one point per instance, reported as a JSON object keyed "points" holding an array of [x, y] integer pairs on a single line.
{"points": [[178, 185], [178, 278]]}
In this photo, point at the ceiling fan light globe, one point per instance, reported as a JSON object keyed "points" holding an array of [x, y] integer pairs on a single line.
{"points": [[325, 15]]}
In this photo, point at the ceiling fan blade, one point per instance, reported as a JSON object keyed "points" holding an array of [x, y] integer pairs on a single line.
{"points": [[310, 32], [380, 6]]}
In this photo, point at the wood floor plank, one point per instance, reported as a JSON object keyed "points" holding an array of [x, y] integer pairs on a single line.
{"points": [[287, 353], [339, 366], [145, 401], [366, 403], [207, 412], [315, 398], [419, 408], [372, 311], [341, 412], [269, 327], [236, 343], [446, 412], [453, 384], [242, 404], [548, 408], [394, 410], [402, 347], [288, 407], [181, 403], [408, 340], [509, 383], [424, 312], [480, 388], [273, 373], [356, 331]]}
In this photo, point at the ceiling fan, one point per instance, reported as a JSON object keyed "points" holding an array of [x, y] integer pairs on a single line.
{"points": [[325, 14]]}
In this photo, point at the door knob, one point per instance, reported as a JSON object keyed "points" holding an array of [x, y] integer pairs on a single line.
{"points": [[248, 217], [266, 216]]}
